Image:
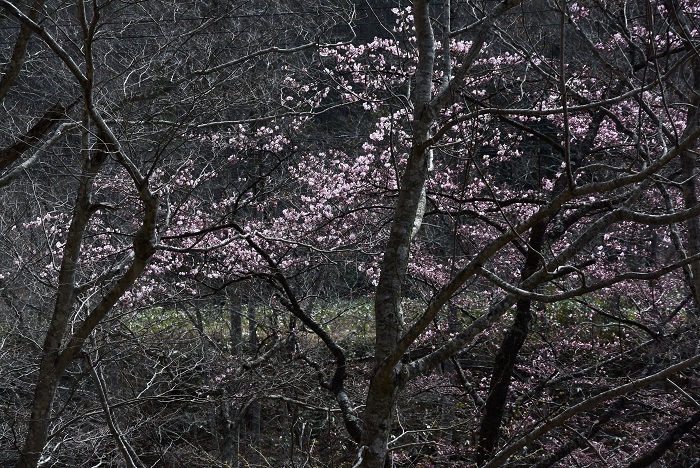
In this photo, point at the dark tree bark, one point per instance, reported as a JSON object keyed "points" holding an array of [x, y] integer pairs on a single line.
{"points": [[690, 186], [253, 341], [236, 327], [507, 356], [228, 448], [60, 348], [390, 375], [19, 52], [58, 352], [49, 369], [24, 142], [500, 381], [666, 442], [254, 425]]}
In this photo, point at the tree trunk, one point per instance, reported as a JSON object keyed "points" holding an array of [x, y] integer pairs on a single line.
{"points": [[385, 384], [236, 327], [59, 351], [390, 375], [690, 199], [254, 420], [228, 448], [507, 356], [500, 382], [49, 368], [40, 417], [449, 370], [131, 459], [252, 329], [377, 420]]}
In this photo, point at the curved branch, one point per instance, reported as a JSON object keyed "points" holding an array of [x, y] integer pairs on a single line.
{"points": [[11, 175], [552, 298], [47, 38], [504, 454], [15, 151], [337, 384], [19, 52]]}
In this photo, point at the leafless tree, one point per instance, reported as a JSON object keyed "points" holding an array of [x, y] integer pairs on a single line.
{"points": [[103, 96]]}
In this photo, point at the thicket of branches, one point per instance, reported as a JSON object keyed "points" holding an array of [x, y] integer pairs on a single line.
{"points": [[336, 234]]}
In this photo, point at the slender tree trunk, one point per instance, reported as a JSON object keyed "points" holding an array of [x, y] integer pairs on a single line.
{"points": [[291, 419], [59, 350], [254, 426], [253, 412], [49, 368], [252, 328], [228, 447], [449, 369], [385, 384], [690, 198], [390, 374], [515, 338], [40, 417], [236, 327], [500, 382], [131, 459], [14, 66], [507, 356]]}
